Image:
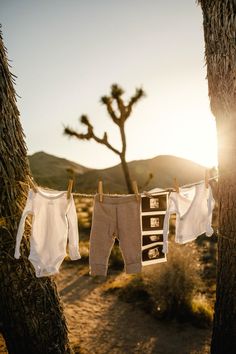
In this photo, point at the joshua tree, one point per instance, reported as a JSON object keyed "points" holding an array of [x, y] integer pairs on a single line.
{"points": [[119, 119], [219, 22], [32, 319]]}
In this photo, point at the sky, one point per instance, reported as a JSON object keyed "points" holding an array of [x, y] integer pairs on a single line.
{"points": [[66, 54]]}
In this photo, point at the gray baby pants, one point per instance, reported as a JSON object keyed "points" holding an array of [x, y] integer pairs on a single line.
{"points": [[115, 217]]}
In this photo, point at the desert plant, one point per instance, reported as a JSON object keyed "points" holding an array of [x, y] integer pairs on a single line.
{"points": [[119, 118], [136, 292], [169, 290], [201, 312], [173, 285], [116, 260]]}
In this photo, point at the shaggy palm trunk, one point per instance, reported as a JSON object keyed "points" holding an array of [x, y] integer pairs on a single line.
{"points": [[220, 51], [31, 316]]}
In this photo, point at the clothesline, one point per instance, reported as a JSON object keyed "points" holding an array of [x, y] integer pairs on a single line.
{"points": [[85, 195], [147, 193], [153, 192]]}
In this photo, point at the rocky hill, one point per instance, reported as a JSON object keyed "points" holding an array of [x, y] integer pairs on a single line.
{"points": [[54, 172]]}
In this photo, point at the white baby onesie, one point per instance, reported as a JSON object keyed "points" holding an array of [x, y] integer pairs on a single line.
{"points": [[193, 207], [54, 221]]}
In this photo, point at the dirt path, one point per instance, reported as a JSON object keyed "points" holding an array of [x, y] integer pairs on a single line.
{"points": [[99, 323]]}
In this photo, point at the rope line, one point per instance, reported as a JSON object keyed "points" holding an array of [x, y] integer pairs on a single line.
{"points": [[170, 189]]}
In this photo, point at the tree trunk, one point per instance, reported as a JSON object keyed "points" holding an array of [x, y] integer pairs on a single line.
{"points": [[220, 33], [124, 164], [32, 319], [224, 327], [126, 175]]}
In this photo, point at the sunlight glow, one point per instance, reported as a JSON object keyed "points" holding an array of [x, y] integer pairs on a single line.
{"points": [[198, 143]]}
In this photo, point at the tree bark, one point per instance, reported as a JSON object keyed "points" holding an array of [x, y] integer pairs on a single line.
{"points": [[124, 164], [32, 319], [224, 326], [219, 22]]}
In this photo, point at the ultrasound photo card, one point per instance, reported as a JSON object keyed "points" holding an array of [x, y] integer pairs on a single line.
{"points": [[150, 239], [152, 222], [153, 254], [154, 203]]}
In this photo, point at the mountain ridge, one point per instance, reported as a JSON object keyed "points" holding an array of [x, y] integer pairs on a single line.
{"points": [[54, 172]]}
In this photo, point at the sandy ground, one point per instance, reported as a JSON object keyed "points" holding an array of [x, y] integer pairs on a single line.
{"points": [[100, 323]]}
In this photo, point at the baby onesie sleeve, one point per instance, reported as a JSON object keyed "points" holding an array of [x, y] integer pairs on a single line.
{"points": [[170, 210], [73, 232], [27, 210], [210, 205]]}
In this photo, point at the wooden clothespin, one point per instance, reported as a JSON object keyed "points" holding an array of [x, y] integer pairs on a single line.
{"points": [[100, 190], [69, 189], [176, 185], [135, 189], [206, 178], [32, 185]]}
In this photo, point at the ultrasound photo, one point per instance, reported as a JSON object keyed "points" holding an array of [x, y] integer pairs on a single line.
{"points": [[152, 222], [149, 239], [153, 255], [155, 203]]}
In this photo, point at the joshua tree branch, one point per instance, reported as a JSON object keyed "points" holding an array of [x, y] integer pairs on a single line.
{"points": [[119, 118], [134, 99], [104, 141], [90, 135], [123, 138], [107, 101], [71, 132], [116, 93]]}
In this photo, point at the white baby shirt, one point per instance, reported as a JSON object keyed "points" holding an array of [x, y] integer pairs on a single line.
{"points": [[54, 222], [193, 207]]}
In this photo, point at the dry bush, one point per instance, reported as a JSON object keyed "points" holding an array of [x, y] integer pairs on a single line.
{"points": [[84, 207], [201, 311], [116, 260], [174, 285]]}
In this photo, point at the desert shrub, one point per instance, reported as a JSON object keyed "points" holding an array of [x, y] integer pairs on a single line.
{"points": [[173, 285], [115, 284], [84, 207], [116, 261], [84, 251], [136, 292], [131, 289], [201, 311], [170, 290]]}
